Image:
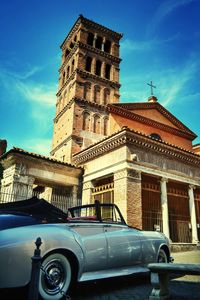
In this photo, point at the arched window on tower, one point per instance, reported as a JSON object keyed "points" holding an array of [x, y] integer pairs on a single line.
{"points": [[88, 64], [98, 68], [71, 45], [155, 136], [63, 78], [67, 53], [97, 124], [107, 71], [68, 71], [97, 94], [86, 90], [72, 66], [99, 41], [105, 126], [106, 96], [86, 121], [107, 46], [90, 38]]}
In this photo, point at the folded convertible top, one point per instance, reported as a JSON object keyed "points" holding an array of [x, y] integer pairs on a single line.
{"points": [[38, 208]]}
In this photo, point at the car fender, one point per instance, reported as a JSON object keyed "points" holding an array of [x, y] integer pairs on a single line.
{"points": [[17, 246]]}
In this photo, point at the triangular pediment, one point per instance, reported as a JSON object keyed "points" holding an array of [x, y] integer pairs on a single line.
{"points": [[155, 115], [153, 112]]}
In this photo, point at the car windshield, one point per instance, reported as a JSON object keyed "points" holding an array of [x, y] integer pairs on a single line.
{"points": [[96, 212]]}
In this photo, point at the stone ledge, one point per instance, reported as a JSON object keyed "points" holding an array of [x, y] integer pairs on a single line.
{"points": [[182, 247]]}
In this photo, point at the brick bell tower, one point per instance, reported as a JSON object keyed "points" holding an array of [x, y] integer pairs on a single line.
{"points": [[88, 81]]}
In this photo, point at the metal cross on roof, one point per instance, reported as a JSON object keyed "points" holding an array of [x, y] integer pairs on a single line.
{"points": [[152, 87]]}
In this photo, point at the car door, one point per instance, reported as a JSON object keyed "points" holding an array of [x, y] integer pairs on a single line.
{"points": [[124, 246], [93, 241]]}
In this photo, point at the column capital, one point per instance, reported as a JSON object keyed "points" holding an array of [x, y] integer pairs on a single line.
{"points": [[164, 179], [88, 185], [127, 173], [192, 187]]}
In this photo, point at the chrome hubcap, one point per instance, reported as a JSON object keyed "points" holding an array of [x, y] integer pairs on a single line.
{"points": [[53, 277]]}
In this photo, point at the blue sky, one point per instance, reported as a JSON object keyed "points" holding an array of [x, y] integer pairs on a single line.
{"points": [[161, 43]]}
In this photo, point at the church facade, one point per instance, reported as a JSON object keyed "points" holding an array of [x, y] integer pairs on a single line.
{"points": [[137, 155]]}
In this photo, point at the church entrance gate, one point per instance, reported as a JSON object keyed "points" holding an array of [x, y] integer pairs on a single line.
{"points": [[179, 214]]}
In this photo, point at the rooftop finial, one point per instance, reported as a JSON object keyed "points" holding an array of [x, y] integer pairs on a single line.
{"points": [[152, 98], [152, 87]]}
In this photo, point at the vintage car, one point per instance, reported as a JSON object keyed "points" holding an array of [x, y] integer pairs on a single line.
{"points": [[88, 242]]}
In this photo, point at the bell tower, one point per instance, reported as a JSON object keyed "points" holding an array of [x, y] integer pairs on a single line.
{"points": [[88, 81]]}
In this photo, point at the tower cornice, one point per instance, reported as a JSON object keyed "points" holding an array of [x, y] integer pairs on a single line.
{"points": [[86, 74], [71, 77], [80, 100], [82, 20], [60, 145], [93, 50]]}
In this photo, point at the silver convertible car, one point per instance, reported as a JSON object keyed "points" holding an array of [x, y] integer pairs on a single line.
{"points": [[88, 242]]}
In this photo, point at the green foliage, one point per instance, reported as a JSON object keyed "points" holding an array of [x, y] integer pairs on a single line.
{"points": [[1, 172]]}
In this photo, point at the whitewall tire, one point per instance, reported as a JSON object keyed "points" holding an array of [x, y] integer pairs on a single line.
{"points": [[55, 276]]}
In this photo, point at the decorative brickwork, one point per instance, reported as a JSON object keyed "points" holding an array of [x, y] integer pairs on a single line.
{"points": [[89, 71], [127, 195]]}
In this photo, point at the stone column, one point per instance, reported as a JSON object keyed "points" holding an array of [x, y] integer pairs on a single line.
{"points": [[75, 195], [112, 49], [116, 74], [94, 40], [16, 183], [127, 195], [103, 69], [93, 66], [87, 192], [103, 43], [192, 214], [164, 205]]}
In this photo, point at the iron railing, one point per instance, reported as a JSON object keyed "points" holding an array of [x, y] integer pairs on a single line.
{"points": [[62, 202]]}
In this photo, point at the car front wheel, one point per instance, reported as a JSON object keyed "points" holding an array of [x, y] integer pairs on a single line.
{"points": [[55, 277], [162, 257]]}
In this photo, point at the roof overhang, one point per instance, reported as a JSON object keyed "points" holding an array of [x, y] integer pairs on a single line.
{"points": [[127, 136], [48, 165]]}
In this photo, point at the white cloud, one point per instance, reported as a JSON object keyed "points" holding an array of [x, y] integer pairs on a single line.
{"points": [[41, 97], [37, 145], [172, 84], [166, 8], [175, 83], [21, 85], [128, 45], [40, 93]]}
